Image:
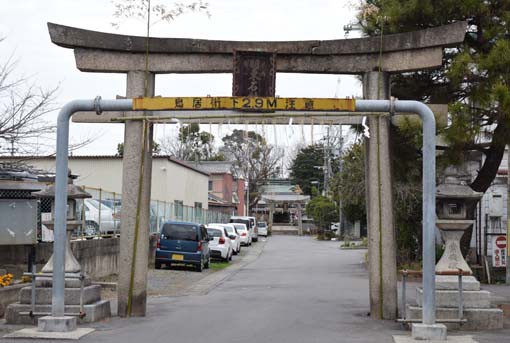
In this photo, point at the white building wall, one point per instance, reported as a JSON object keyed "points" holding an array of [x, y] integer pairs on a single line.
{"points": [[491, 215], [170, 180]]}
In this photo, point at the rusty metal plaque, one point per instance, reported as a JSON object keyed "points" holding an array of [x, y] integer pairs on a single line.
{"points": [[254, 73]]}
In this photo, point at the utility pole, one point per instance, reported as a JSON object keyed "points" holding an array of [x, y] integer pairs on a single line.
{"points": [[340, 162], [508, 214], [327, 164], [248, 197]]}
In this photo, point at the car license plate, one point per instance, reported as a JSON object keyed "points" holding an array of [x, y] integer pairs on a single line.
{"points": [[177, 257]]}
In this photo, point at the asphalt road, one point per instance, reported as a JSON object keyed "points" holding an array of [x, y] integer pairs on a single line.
{"points": [[296, 290]]}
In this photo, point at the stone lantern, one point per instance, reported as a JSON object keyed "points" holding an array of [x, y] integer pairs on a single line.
{"points": [[82, 299], [470, 309], [74, 192], [453, 199]]}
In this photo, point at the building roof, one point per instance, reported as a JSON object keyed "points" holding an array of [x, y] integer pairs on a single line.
{"points": [[103, 157], [217, 201], [285, 198], [214, 167]]}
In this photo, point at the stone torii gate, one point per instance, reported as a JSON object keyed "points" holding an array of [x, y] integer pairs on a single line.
{"points": [[111, 53]]}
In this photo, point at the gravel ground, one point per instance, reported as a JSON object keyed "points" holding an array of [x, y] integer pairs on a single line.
{"points": [[171, 282]]}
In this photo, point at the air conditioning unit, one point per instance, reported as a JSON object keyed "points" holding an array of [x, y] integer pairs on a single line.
{"points": [[496, 205]]}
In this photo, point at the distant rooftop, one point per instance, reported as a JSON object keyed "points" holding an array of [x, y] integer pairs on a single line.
{"points": [[27, 159], [214, 167]]}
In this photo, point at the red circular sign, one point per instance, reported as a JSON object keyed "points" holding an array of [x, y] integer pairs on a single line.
{"points": [[501, 242]]}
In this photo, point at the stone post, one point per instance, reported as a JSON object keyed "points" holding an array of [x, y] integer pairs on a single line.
{"points": [[271, 214], [134, 251], [381, 233], [300, 220]]}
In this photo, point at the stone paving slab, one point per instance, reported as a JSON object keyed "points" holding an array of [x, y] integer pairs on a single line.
{"points": [[33, 333], [452, 339]]}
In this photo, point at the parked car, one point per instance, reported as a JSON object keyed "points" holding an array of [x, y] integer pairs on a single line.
{"points": [[220, 245], [244, 232], [262, 228], [250, 222], [93, 225], [234, 236], [334, 227], [115, 205], [183, 243]]}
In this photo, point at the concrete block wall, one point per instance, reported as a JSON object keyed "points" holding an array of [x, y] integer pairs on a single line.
{"points": [[98, 257]]}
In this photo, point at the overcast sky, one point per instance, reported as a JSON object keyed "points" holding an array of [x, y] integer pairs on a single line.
{"points": [[23, 24]]}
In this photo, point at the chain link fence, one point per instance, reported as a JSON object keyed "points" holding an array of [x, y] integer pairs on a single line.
{"points": [[100, 215]]}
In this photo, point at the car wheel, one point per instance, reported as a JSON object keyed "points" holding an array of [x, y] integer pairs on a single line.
{"points": [[230, 258], [207, 263], [200, 266], [157, 265]]}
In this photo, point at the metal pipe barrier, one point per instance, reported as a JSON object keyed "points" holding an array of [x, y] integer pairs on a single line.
{"points": [[460, 298], [367, 106], [32, 313]]}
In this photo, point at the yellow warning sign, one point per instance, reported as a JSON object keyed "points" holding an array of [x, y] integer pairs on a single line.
{"points": [[243, 104]]}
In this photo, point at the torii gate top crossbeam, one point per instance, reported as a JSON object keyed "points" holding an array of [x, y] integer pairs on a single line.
{"points": [[105, 52]]}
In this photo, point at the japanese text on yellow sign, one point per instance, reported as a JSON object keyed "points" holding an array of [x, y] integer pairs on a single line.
{"points": [[244, 104]]}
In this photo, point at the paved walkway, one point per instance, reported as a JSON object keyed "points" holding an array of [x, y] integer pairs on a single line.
{"points": [[298, 291]]}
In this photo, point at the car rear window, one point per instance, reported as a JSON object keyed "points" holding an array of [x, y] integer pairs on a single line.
{"points": [[214, 232], [240, 227], [261, 224], [242, 221], [180, 232]]}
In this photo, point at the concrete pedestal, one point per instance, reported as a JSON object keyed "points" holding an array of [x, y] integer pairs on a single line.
{"points": [[435, 332], [56, 324]]}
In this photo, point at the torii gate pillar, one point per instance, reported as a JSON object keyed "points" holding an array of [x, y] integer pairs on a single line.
{"points": [[382, 269], [134, 241]]}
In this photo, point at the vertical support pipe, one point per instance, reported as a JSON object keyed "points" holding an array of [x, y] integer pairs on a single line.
{"points": [[429, 191], [461, 296], [404, 281], [32, 298], [60, 240]]}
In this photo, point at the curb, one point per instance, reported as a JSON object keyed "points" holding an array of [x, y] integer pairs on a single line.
{"points": [[210, 282]]}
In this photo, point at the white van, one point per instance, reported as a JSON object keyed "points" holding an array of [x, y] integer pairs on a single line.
{"points": [[250, 222]]}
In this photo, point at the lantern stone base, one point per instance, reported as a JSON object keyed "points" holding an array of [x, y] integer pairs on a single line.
{"points": [[94, 308], [469, 283], [478, 313], [476, 319], [93, 312]]}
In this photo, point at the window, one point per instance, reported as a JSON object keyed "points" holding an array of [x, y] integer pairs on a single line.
{"points": [[198, 211], [179, 209], [210, 185], [180, 232]]}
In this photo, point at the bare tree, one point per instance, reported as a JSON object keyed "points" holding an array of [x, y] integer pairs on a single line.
{"points": [[23, 107], [191, 144], [255, 159], [143, 10]]}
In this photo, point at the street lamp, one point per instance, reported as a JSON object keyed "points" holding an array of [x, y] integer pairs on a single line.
{"points": [[315, 182]]}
